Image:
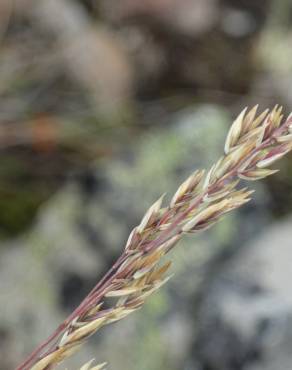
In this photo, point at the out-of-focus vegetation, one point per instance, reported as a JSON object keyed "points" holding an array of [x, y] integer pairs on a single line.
{"points": [[104, 106]]}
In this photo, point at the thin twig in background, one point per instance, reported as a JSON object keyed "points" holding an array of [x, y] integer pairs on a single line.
{"points": [[253, 144]]}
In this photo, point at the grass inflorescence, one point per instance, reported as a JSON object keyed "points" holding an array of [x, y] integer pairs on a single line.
{"points": [[253, 143]]}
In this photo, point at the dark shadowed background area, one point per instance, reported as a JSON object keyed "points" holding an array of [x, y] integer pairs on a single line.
{"points": [[104, 106]]}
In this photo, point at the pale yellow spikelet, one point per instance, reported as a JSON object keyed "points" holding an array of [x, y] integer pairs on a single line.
{"points": [[92, 311], [259, 134], [158, 273], [154, 287], [55, 357], [122, 292], [86, 329], [145, 270], [130, 261], [249, 119], [225, 191], [270, 160], [208, 178], [149, 259], [234, 132], [153, 210], [251, 161], [258, 174], [130, 238], [256, 135], [142, 272], [119, 313], [260, 119], [238, 198], [188, 185], [240, 152], [222, 166], [181, 190], [88, 366], [170, 243], [44, 362], [276, 116], [284, 139], [204, 214]]}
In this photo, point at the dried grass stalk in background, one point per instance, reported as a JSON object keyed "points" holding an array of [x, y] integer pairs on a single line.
{"points": [[253, 143]]}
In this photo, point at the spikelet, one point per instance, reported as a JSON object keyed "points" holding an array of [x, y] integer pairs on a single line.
{"points": [[258, 174], [234, 132], [257, 121], [187, 186], [150, 215], [275, 154], [87, 366], [204, 215]]}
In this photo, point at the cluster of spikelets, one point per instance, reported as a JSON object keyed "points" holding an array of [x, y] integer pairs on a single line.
{"points": [[252, 145]]}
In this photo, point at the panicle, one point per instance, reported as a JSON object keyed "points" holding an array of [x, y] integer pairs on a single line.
{"points": [[254, 142]]}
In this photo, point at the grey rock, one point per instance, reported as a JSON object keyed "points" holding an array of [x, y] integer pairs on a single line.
{"points": [[246, 316]]}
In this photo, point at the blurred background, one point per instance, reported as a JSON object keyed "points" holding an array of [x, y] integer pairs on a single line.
{"points": [[104, 106]]}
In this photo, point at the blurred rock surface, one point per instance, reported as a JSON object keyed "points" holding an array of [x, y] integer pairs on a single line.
{"points": [[245, 319]]}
